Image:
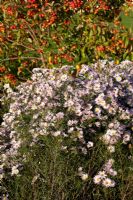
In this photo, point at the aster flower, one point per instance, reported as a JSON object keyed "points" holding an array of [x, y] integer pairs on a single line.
{"points": [[102, 174], [76, 109], [90, 144], [97, 179], [84, 177], [14, 171], [126, 138], [108, 183], [111, 148]]}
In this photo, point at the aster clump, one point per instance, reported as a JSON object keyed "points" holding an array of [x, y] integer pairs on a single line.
{"points": [[96, 105]]}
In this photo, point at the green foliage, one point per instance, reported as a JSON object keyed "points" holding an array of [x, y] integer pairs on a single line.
{"points": [[52, 150], [47, 33], [50, 173], [127, 19]]}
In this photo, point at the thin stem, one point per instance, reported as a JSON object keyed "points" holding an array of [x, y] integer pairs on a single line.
{"points": [[19, 44], [16, 58], [33, 35]]}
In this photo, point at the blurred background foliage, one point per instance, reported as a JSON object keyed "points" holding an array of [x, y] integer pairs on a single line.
{"points": [[38, 33]]}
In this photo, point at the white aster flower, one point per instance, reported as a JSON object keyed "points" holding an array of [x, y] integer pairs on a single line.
{"points": [[102, 174], [106, 138], [6, 86], [112, 110], [111, 132], [80, 134], [108, 183], [3, 157], [71, 122], [111, 125], [97, 87], [111, 148], [100, 100], [84, 150], [97, 110], [84, 177], [118, 78], [57, 133], [14, 171], [90, 144], [126, 138], [80, 169], [33, 107], [113, 140], [64, 77], [84, 69], [1, 176], [64, 148], [97, 179], [69, 88], [71, 130], [60, 115]]}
